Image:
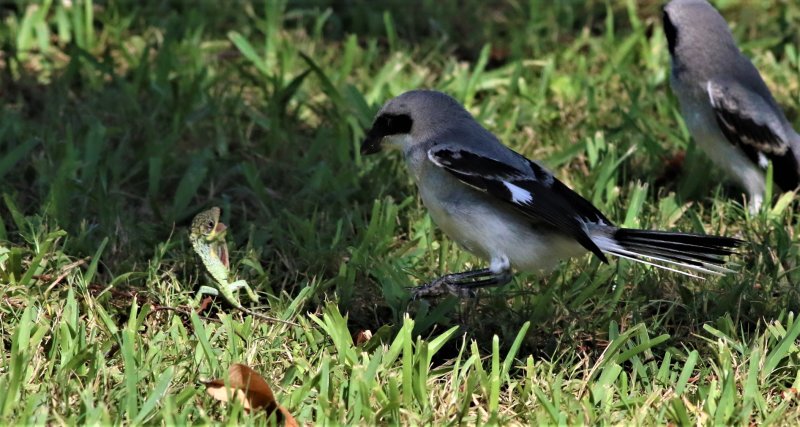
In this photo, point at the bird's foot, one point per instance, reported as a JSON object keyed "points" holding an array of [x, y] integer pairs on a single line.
{"points": [[461, 285], [442, 286]]}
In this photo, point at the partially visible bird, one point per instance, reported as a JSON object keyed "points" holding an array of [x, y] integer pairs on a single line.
{"points": [[510, 210], [725, 103]]}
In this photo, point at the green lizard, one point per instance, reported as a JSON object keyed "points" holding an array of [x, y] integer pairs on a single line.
{"points": [[208, 240]]}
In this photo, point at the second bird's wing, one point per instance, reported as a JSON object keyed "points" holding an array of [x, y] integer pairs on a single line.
{"points": [[751, 122], [535, 193]]}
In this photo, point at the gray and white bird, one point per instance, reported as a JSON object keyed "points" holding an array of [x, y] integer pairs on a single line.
{"points": [[507, 209], [725, 103]]}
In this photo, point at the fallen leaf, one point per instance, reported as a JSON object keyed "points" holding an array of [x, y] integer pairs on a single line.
{"points": [[251, 390], [383, 335], [203, 305], [363, 336]]}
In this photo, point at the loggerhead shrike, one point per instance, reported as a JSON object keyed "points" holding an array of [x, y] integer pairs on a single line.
{"points": [[726, 105], [510, 210]]}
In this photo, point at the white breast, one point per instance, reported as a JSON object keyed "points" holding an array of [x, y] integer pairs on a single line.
{"points": [[488, 228]]}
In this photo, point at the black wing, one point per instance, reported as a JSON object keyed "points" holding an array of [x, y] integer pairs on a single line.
{"points": [[538, 194], [750, 123]]}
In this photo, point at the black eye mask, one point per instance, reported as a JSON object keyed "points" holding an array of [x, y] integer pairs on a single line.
{"points": [[385, 124], [670, 31]]}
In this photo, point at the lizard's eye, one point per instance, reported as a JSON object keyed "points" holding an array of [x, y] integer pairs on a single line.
{"points": [[210, 225]]}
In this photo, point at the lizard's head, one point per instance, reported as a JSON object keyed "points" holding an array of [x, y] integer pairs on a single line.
{"points": [[207, 224]]}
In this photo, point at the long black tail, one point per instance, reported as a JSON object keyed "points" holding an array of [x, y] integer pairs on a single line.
{"points": [[698, 252]]}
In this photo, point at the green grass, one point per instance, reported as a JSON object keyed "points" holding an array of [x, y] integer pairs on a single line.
{"points": [[120, 120]]}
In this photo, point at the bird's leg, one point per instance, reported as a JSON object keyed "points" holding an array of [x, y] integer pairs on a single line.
{"points": [[755, 203], [462, 284]]}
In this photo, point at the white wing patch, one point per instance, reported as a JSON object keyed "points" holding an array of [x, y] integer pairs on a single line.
{"points": [[436, 161], [519, 195], [763, 162], [710, 90]]}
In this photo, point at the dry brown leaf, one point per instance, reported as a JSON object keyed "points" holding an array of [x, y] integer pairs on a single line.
{"points": [[251, 390], [363, 336], [203, 305]]}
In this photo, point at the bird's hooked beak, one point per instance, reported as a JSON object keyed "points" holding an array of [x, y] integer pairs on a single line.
{"points": [[372, 142], [386, 126]]}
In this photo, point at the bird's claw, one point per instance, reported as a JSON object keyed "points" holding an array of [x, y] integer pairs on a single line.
{"points": [[441, 287]]}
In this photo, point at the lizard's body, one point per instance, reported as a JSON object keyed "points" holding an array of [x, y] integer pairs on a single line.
{"points": [[208, 240]]}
